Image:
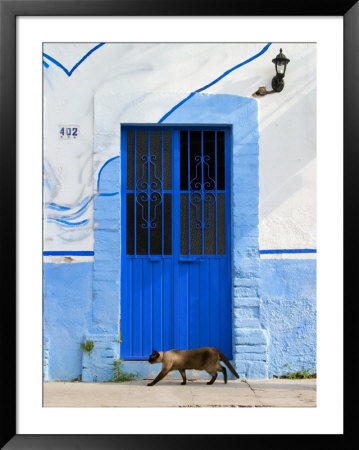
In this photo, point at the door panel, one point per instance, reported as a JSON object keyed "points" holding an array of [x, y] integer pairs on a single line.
{"points": [[176, 278]]}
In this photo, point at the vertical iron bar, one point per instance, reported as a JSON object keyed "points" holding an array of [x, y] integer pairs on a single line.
{"points": [[179, 330], [152, 307], [130, 321], [142, 329]]}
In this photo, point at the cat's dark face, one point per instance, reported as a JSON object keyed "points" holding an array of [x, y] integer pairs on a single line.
{"points": [[153, 357]]}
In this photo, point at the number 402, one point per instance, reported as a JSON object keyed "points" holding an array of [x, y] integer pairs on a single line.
{"points": [[68, 132]]}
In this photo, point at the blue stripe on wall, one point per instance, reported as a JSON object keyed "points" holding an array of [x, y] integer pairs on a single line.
{"points": [[264, 49], [285, 250], [69, 253], [69, 72], [262, 252]]}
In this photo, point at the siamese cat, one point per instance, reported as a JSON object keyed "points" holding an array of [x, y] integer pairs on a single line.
{"points": [[205, 358]]}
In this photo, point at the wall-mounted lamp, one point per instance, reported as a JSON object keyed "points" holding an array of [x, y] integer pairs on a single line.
{"points": [[280, 62]]}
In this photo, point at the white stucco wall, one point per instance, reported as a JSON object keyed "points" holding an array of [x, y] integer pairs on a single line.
{"points": [[287, 127]]}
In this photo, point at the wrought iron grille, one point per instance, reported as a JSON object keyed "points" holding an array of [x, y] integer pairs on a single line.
{"points": [[149, 191], [198, 196], [202, 192]]}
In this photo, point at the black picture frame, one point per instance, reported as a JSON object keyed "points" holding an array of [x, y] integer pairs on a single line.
{"points": [[9, 10]]}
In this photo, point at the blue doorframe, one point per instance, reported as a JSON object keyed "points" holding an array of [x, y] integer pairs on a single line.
{"points": [[170, 297]]}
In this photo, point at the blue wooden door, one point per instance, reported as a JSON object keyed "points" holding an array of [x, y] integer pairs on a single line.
{"points": [[175, 225]]}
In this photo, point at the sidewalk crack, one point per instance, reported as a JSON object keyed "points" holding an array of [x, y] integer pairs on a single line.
{"points": [[254, 393]]}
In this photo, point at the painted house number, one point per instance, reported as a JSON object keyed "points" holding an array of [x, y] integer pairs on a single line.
{"points": [[68, 132]]}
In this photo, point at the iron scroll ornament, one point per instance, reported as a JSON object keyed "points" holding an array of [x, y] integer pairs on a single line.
{"points": [[149, 193], [200, 192], [149, 202]]}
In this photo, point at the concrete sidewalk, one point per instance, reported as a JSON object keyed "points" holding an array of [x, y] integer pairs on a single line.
{"points": [[170, 393]]}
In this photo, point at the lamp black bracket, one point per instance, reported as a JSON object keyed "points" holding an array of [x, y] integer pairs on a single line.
{"points": [[280, 63], [277, 84], [261, 92]]}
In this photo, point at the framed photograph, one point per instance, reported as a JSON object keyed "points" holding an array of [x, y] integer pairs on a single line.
{"points": [[174, 176]]}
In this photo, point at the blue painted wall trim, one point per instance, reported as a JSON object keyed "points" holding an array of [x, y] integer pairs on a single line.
{"points": [[68, 253], [70, 72], [91, 253], [287, 250], [241, 114]]}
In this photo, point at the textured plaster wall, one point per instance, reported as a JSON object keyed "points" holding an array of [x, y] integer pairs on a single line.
{"points": [[67, 312], [288, 313]]}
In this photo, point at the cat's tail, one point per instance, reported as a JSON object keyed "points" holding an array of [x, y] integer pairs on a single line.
{"points": [[223, 358]]}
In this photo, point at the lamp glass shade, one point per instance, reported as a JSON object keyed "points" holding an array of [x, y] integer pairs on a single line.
{"points": [[281, 67]]}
